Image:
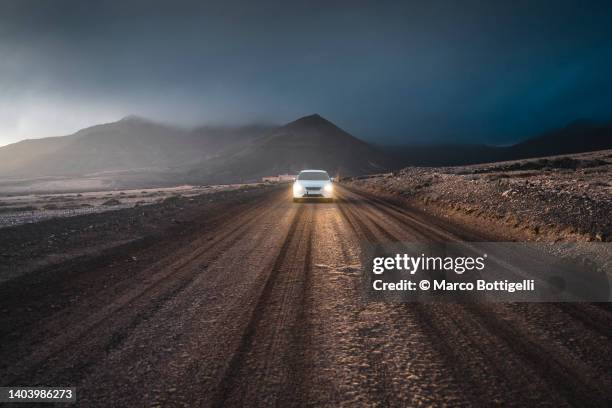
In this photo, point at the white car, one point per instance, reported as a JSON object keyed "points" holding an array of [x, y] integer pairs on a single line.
{"points": [[313, 184]]}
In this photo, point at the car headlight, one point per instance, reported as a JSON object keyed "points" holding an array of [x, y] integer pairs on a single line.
{"points": [[297, 188], [329, 188]]}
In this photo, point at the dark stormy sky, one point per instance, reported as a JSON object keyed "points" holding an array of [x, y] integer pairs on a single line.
{"points": [[419, 71]]}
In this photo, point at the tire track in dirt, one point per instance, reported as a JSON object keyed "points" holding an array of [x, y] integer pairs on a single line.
{"points": [[545, 364], [557, 369], [573, 381], [267, 309], [386, 317], [274, 322], [163, 285], [597, 320], [197, 332], [429, 318]]}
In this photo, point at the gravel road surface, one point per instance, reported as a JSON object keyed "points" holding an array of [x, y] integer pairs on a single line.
{"points": [[262, 305]]}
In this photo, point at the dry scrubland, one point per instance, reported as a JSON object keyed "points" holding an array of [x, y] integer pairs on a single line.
{"points": [[565, 197], [18, 209]]}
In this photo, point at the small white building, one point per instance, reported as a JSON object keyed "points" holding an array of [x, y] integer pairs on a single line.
{"points": [[281, 178], [286, 177]]}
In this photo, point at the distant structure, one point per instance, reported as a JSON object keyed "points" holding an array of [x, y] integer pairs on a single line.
{"points": [[286, 177], [281, 178]]}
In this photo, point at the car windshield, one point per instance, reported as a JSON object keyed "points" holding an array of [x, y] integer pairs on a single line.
{"points": [[313, 175]]}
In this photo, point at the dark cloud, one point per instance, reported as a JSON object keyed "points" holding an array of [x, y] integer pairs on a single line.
{"points": [[386, 71]]}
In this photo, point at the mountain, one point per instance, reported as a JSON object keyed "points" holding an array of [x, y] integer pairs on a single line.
{"points": [[135, 151], [577, 137], [448, 154], [133, 143], [309, 142], [221, 138]]}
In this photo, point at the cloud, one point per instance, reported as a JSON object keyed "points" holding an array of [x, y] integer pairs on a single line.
{"points": [[401, 71]]}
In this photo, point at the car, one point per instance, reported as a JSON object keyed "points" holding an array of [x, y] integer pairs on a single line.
{"points": [[313, 184]]}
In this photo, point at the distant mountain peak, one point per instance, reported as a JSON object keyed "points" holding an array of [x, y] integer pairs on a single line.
{"points": [[315, 118], [133, 119], [315, 122]]}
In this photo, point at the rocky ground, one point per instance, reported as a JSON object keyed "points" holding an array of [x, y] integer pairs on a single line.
{"points": [[18, 209], [28, 247], [554, 198], [246, 299]]}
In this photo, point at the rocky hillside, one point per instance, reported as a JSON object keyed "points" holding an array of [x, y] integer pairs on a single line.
{"points": [[311, 142], [553, 198], [137, 152], [131, 144], [577, 137]]}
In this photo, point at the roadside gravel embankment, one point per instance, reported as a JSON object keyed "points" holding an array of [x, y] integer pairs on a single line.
{"points": [[553, 198]]}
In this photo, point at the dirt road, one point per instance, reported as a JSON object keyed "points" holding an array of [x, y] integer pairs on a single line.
{"points": [[263, 306]]}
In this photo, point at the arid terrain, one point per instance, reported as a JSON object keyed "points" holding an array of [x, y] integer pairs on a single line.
{"points": [[18, 209], [253, 204], [243, 298], [554, 198]]}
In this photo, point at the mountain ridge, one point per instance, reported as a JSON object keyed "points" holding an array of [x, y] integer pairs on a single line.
{"points": [[162, 153], [131, 142], [578, 136], [308, 142]]}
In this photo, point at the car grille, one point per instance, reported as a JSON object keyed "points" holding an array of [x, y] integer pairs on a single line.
{"points": [[313, 188]]}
